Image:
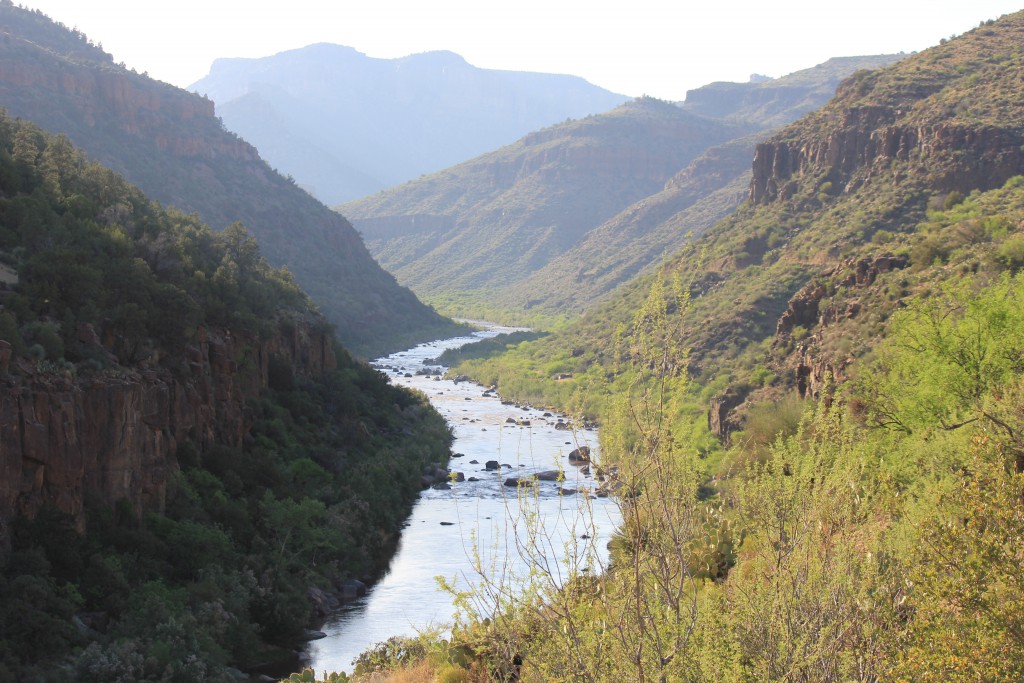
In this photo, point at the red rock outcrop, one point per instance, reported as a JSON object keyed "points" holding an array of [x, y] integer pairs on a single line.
{"points": [[721, 418], [813, 371], [115, 436], [866, 140], [804, 306]]}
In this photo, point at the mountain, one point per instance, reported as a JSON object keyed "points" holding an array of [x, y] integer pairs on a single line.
{"points": [[488, 223], [777, 101], [892, 187], [815, 410], [169, 142], [345, 125], [537, 226], [190, 464]]}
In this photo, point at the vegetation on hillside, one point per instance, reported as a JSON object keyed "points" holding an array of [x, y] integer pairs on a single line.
{"points": [[877, 538], [315, 496], [871, 534], [743, 274]]}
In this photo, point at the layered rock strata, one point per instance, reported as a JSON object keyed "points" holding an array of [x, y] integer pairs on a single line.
{"points": [[114, 436]]}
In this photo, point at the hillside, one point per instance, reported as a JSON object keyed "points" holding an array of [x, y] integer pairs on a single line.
{"points": [[479, 227], [346, 125], [169, 143], [816, 409], [837, 202], [190, 466], [555, 243]]}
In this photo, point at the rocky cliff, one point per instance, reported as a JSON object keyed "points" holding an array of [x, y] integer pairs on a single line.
{"points": [[865, 142], [812, 368], [107, 96], [947, 118], [114, 436]]}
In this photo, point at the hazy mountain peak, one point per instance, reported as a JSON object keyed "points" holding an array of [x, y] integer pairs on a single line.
{"points": [[776, 101], [347, 125], [437, 58]]}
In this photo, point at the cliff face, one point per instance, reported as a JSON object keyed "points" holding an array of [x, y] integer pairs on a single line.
{"points": [[813, 369], [110, 438], [864, 143], [949, 118], [107, 95]]}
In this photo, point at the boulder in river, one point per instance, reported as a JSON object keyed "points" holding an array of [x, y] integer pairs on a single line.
{"points": [[492, 465], [549, 475], [352, 589], [323, 602], [520, 481], [580, 455]]}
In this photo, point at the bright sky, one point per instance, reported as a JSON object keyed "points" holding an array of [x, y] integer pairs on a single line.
{"points": [[633, 47]]}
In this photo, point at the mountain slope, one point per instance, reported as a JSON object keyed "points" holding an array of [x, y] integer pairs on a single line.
{"points": [[190, 465], [428, 231], [346, 125], [481, 226], [775, 102], [638, 237], [851, 211], [169, 143], [854, 337]]}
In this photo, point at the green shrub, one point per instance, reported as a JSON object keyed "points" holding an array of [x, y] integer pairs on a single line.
{"points": [[1010, 253]]}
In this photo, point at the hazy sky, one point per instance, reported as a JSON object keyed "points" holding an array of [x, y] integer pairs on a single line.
{"points": [[633, 47]]}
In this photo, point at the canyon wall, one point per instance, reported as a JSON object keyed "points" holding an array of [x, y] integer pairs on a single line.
{"points": [[114, 436], [864, 142]]}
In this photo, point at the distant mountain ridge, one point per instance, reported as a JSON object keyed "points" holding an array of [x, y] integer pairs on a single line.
{"points": [[475, 239], [169, 143], [346, 125]]}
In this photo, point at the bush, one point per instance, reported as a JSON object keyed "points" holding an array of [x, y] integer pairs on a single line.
{"points": [[952, 199], [1010, 253]]}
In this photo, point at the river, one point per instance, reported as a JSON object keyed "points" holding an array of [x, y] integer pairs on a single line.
{"points": [[478, 530]]}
